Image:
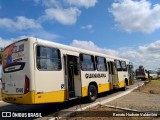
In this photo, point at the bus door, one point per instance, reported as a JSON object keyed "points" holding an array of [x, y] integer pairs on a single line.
{"points": [[130, 73], [113, 74], [72, 76]]}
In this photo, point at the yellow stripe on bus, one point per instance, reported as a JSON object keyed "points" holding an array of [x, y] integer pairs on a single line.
{"points": [[20, 99], [56, 96], [121, 84]]}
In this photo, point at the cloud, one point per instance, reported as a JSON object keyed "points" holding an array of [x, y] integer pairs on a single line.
{"points": [[33, 33], [40, 33], [66, 16], [146, 55], [82, 3], [89, 45], [153, 47], [48, 3], [20, 23], [88, 27], [4, 43], [65, 12], [136, 16], [58, 3]]}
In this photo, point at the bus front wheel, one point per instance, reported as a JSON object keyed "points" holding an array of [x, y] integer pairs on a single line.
{"points": [[92, 93]]}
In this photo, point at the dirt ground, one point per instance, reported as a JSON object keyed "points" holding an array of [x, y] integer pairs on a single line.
{"points": [[152, 87], [145, 98]]}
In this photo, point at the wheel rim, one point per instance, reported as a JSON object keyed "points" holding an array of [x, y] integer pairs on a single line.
{"points": [[92, 93]]}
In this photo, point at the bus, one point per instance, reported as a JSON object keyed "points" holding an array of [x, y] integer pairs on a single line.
{"points": [[36, 71], [142, 73], [153, 75]]}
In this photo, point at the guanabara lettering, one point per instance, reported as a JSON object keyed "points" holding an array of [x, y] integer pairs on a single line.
{"points": [[94, 75]]}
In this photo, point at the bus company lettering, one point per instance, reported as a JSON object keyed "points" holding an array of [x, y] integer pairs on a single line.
{"points": [[95, 75]]}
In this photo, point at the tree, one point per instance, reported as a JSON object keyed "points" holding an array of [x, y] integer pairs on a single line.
{"points": [[141, 66]]}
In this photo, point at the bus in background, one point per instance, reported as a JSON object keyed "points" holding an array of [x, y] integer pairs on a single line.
{"points": [[153, 75], [36, 71], [141, 73]]}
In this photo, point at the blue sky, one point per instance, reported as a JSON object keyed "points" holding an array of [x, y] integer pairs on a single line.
{"points": [[125, 28]]}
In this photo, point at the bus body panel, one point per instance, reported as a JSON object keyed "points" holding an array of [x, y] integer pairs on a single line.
{"points": [[89, 76], [49, 85], [122, 75]]}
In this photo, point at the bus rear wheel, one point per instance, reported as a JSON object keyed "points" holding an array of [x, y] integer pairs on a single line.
{"points": [[92, 93]]}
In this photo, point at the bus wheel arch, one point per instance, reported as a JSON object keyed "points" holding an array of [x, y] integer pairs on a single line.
{"points": [[92, 91], [126, 81]]}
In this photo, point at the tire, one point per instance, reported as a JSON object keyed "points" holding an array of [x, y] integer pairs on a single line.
{"points": [[124, 88], [92, 93], [126, 81]]}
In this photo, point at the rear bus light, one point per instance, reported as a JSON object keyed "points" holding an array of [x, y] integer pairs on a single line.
{"points": [[26, 86]]}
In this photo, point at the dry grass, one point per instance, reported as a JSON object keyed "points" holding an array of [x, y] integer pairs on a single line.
{"points": [[152, 87]]}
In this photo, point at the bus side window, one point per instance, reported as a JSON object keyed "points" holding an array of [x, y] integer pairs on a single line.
{"points": [[124, 67], [41, 57], [118, 65], [48, 58], [101, 64], [87, 62]]}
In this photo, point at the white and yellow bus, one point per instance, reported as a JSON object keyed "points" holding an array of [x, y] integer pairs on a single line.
{"points": [[36, 71], [153, 75], [141, 73]]}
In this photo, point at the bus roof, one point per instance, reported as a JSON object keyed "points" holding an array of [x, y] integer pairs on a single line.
{"points": [[67, 47], [50, 43]]}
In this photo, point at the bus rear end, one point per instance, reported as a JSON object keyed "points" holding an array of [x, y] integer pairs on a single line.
{"points": [[141, 73], [17, 73]]}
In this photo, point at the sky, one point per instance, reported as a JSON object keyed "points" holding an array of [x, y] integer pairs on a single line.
{"points": [[124, 28]]}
